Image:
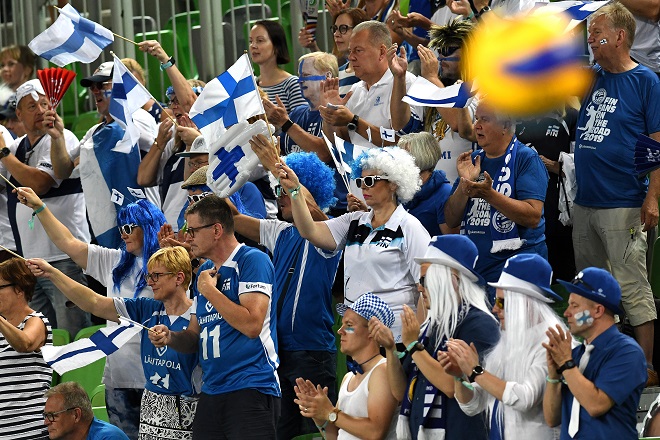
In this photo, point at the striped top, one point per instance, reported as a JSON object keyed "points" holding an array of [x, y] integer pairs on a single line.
{"points": [[346, 80], [289, 92], [24, 378]]}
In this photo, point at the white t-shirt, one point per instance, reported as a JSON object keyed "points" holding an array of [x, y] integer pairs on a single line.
{"points": [[6, 234], [123, 368], [646, 47], [176, 196], [381, 260], [68, 209]]}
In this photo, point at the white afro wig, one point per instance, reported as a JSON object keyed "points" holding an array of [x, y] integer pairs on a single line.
{"points": [[396, 164]]}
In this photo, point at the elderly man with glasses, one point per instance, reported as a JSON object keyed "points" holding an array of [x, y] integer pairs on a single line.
{"points": [[27, 162], [68, 416]]}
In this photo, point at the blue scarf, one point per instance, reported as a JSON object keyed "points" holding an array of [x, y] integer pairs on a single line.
{"points": [[503, 231], [435, 402]]}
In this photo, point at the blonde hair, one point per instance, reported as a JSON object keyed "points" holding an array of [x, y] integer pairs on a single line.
{"points": [[135, 68], [175, 259], [323, 62], [620, 19]]}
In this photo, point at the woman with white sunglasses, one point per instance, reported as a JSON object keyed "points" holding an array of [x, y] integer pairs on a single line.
{"points": [[123, 272], [379, 245]]}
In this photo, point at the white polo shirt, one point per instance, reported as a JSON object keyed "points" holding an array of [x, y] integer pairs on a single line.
{"points": [[381, 260]]}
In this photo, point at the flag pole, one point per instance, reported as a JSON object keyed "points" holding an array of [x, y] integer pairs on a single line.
{"points": [[12, 252], [270, 133], [136, 323], [152, 96], [116, 35], [7, 180]]}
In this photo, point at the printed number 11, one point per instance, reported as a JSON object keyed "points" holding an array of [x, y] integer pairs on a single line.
{"points": [[215, 340]]}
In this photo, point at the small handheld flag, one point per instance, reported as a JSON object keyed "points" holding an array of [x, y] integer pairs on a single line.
{"points": [[647, 155]]}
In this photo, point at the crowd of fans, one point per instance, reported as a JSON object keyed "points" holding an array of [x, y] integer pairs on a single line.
{"points": [[439, 252]]}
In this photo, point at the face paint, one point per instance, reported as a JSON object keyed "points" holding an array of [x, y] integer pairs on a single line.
{"points": [[583, 318], [107, 93], [603, 41], [350, 330]]}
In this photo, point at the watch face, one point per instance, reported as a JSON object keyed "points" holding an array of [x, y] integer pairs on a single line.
{"points": [[351, 126], [478, 369], [332, 417]]}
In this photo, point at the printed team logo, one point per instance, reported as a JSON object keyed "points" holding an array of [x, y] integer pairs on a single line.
{"points": [[226, 285], [384, 242], [595, 128], [208, 306], [377, 102], [161, 350], [502, 224]]}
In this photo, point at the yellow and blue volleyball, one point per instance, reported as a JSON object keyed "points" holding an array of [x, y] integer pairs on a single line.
{"points": [[526, 65]]}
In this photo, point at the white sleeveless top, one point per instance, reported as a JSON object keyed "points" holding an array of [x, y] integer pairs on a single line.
{"points": [[354, 403]]}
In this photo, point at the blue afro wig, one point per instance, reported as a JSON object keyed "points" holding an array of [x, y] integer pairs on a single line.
{"points": [[316, 176], [149, 218]]}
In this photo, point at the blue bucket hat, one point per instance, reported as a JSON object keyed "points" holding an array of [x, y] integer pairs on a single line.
{"points": [[369, 305], [529, 274], [456, 251], [597, 285]]}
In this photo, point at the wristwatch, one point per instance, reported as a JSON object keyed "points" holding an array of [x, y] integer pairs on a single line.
{"points": [[354, 123], [332, 417], [288, 124], [567, 366], [417, 347], [4, 152], [478, 370], [168, 64]]}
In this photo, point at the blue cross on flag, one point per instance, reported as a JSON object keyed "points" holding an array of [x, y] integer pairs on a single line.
{"points": [[424, 93], [71, 38], [128, 95], [226, 100], [231, 159], [577, 11]]}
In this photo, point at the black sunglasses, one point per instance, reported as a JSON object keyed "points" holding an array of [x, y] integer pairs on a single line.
{"points": [[578, 280], [342, 28], [128, 228], [421, 281], [368, 181], [194, 198], [446, 51], [279, 191]]}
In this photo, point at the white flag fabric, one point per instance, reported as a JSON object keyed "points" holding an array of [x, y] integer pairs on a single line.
{"points": [[424, 93], [231, 159], [87, 350], [71, 38], [226, 100], [128, 95], [577, 11]]}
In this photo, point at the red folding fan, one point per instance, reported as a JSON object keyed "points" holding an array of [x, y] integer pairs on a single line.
{"points": [[55, 82]]}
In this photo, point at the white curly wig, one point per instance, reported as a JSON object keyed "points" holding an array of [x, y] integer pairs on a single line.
{"points": [[397, 164]]}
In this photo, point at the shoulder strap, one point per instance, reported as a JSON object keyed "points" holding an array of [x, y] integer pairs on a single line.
{"points": [[289, 275]]}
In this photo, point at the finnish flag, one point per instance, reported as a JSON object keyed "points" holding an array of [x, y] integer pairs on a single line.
{"points": [[71, 38], [87, 350], [577, 11], [226, 100], [128, 95], [424, 93]]}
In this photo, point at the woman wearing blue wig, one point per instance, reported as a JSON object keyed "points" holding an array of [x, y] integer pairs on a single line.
{"points": [[123, 272]]}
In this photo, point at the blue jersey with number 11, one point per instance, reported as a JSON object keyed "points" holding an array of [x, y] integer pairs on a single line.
{"points": [[230, 360]]}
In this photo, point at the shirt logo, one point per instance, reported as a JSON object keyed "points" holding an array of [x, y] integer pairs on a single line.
{"points": [[595, 128], [208, 306], [161, 350], [553, 131], [378, 101], [384, 242], [226, 284]]}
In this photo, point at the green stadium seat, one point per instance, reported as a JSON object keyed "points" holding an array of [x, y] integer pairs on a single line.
{"points": [[98, 403], [312, 436], [60, 337], [84, 122]]}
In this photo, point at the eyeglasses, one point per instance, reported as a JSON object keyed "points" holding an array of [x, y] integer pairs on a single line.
{"points": [[499, 302], [191, 231], [368, 181], [155, 276], [50, 416], [578, 280], [173, 101], [421, 281], [194, 198], [446, 51], [99, 86], [128, 228], [342, 28], [7, 285]]}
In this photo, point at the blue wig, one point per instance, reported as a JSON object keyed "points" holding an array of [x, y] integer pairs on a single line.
{"points": [[149, 218], [316, 176]]}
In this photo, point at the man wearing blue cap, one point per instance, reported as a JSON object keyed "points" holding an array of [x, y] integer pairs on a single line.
{"points": [[593, 390], [366, 406]]}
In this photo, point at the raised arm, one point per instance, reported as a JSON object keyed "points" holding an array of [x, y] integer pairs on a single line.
{"points": [[59, 156], [31, 338], [57, 232], [82, 296], [395, 374], [317, 233], [148, 169], [38, 180], [399, 110]]}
